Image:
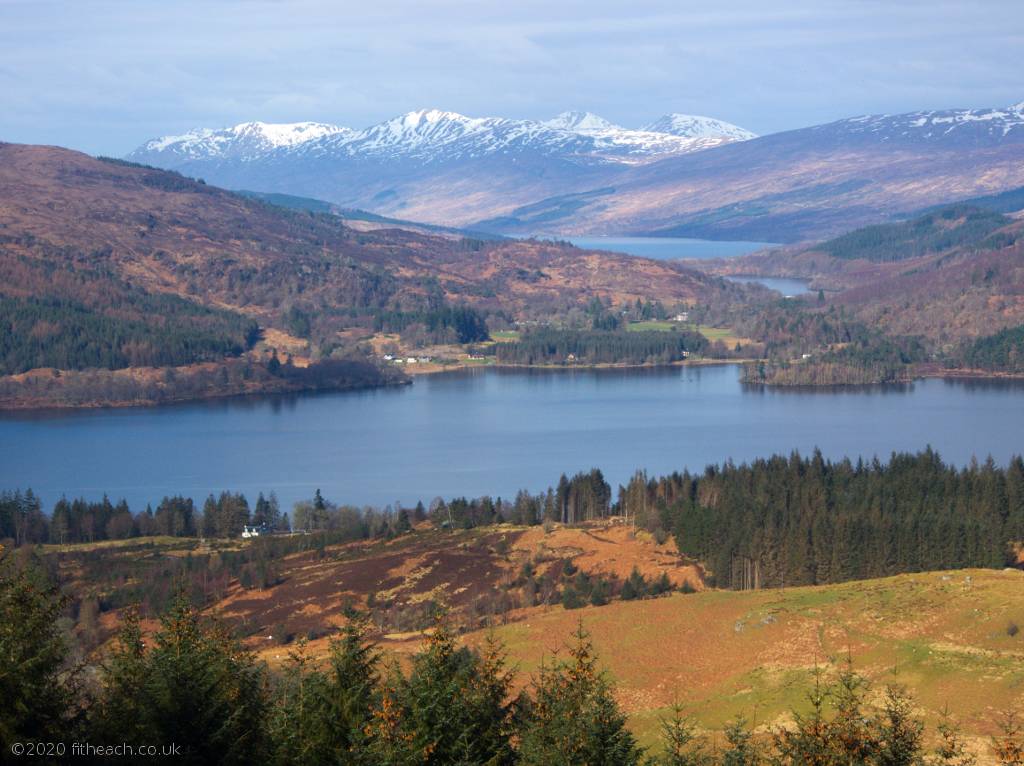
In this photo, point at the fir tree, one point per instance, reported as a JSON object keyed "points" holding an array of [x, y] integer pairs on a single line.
{"points": [[195, 687], [37, 687], [451, 709], [742, 749], [683, 746], [574, 719]]}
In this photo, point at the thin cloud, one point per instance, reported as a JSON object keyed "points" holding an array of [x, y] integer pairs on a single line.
{"points": [[104, 76]]}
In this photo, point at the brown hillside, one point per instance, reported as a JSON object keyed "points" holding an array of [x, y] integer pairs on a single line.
{"points": [[165, 233]]}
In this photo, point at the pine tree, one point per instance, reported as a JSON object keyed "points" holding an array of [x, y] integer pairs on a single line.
{"points": [[899, 732], [742, 749], [809, 742], [951, 750], [452, 708], [195, 687], [36, 685], [1009, 744], [683, 746], [299, 725], [351, 689], [574, 719]]}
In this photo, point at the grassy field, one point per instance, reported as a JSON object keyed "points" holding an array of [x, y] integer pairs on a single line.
{"points": [[651, 324], [945, 636], [505, 336], [724, 334], [949, 637]]}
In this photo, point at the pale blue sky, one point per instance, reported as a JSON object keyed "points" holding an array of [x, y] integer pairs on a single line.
{"points": [[104, 75]]}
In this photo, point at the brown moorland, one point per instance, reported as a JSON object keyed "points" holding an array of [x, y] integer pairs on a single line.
{"points": [[165, 233], [948, 637]]}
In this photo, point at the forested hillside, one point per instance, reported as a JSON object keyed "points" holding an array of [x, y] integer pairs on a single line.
{"points": [[108, 265], [944, 229], [139, 330], [1001, 352], [891, 301], [165, 233], [807, 520], [559, 347]]}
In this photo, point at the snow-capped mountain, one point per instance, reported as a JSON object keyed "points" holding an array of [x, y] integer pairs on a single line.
{"points": [[429, 164], [580, 122], [945, 125], [683, 175], [247, 140], [432, 135], [695, 126]]}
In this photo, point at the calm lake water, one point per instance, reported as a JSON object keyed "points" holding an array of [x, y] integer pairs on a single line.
{"points": [[788, 287], [669, 248], [490, 432]]}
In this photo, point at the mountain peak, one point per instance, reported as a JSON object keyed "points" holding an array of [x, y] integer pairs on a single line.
{"points": [[287, 133], [429, 116], [254, 134], [580, 122], [698, 126]]}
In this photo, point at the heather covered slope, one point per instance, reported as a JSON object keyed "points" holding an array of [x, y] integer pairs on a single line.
{"points": [[167, 234], [950, 276], [947, 636], [114, 266]]}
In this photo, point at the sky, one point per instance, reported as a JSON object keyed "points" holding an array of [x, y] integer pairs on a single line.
{"points": [[105, 75]]}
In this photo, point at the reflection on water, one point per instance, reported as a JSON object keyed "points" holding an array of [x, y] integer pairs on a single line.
{"points": [[492, 432], [669, 248], [788, 287]]}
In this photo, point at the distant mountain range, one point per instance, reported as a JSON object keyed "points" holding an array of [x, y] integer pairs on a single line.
{"points": [[578, 173], [431, 165], [435, 136]]}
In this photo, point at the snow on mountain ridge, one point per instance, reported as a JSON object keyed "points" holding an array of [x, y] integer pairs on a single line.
{"points": [[998, 121], [580, 122], [255, 135], [697, 126], [434, 135]]}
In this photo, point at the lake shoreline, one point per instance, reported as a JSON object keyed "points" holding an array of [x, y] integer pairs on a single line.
{"points": [[434, 369], [470, 434], [43, 405]]}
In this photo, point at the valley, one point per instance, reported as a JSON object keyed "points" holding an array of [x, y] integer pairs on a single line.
{"points": [[228, 273], [946, 637], [512, 384], [578, 175]]}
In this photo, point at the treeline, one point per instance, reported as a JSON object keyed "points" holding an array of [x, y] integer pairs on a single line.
{"points": [[228, 377], [452, 705], [806, 520], [582, 497], [139, 330], [773, 522], [552, 346], [826, 348], [1001, 352], [444, 324], [867, 361], [83, 521], [934, 232]]}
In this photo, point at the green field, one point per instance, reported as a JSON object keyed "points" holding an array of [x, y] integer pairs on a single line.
{"points": [[651, 324], [947, 636], [505, 336]]}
